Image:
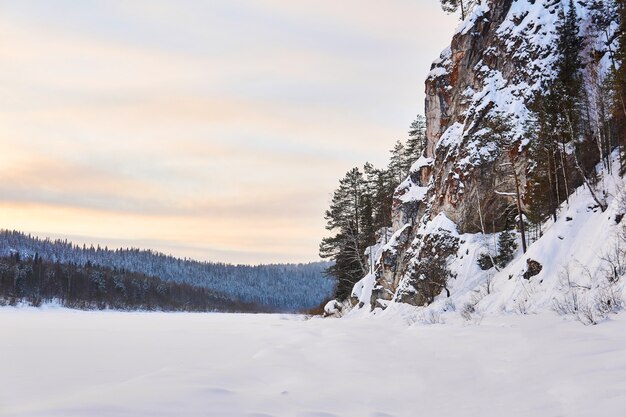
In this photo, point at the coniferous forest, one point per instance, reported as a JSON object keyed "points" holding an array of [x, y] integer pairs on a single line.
{"points": [[93, 277], [36, 282]]}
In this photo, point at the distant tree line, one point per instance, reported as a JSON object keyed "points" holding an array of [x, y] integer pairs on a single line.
{"points": [[34, 281], [360, 209], [285, 287]]}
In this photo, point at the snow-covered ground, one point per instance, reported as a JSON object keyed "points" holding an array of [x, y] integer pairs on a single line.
{"points": [[65, 363]]}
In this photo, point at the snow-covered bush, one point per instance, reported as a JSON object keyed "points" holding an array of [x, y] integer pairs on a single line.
{"points": [[584, 303]]}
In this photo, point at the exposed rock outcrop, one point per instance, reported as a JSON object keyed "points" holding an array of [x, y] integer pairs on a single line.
{"points": [[498, 59]]}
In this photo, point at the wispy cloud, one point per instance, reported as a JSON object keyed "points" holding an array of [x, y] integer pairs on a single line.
{"points": [[217, 128]]}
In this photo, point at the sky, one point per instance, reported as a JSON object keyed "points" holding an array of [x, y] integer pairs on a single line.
{"points": [[214, 130]]}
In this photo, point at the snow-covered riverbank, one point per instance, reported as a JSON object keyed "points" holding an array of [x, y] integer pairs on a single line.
{"points": [[69, 363]]}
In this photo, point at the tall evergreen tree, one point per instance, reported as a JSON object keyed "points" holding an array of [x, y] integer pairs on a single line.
{"points": [[347, 219], [381, 188], [568, 83], [620, 54], [397, 163], [416, 143], [541, 184], [620, 73]]}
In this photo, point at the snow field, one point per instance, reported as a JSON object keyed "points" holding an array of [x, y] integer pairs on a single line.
{"points": [[68, 363]]}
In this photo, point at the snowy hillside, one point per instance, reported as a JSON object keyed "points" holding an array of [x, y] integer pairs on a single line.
{"points": [[581, 258]]}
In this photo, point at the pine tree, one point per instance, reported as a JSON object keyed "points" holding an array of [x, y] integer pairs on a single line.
{"points": [[463, 6], [397, 163], [619, 75], [347, 220], [569, 87], [381, 187], [507, 244], [416, 143], [557, 114], [620, 54], [541, 198], [568, 83]]}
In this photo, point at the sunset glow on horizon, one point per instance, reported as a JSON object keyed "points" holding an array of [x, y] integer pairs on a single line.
{"points": [[211, 130]]}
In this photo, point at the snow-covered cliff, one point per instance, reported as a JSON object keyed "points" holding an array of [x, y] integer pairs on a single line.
{"points": [[499, 59]]}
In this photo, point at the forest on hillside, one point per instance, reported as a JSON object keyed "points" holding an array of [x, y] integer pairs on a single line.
{"points": [[278, 287], [34, 282]]}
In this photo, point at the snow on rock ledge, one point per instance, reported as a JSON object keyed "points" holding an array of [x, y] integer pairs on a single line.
{"points": [[498, 58]]}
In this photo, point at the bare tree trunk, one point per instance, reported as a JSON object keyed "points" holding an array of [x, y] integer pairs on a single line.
{"points": [[564, 169], [357, 254], [599, 122], [518, 198], [482, 227], [554, 176]]}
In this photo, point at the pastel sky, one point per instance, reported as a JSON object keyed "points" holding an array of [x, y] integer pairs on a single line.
{"points": [[212, 129]]}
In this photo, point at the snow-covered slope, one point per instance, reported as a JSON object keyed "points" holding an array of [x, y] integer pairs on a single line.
{"points": [[581, 257], [499, 58]]}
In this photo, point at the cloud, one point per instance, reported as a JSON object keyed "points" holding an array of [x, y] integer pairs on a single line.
{"points": [[219, 125], [285, 239]]}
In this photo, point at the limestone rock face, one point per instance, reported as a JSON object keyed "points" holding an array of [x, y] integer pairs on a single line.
{"points": [[496, 59], [496, 62]]}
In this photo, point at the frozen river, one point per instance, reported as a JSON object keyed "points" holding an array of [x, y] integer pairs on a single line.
{"points": [[68, 364]]}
